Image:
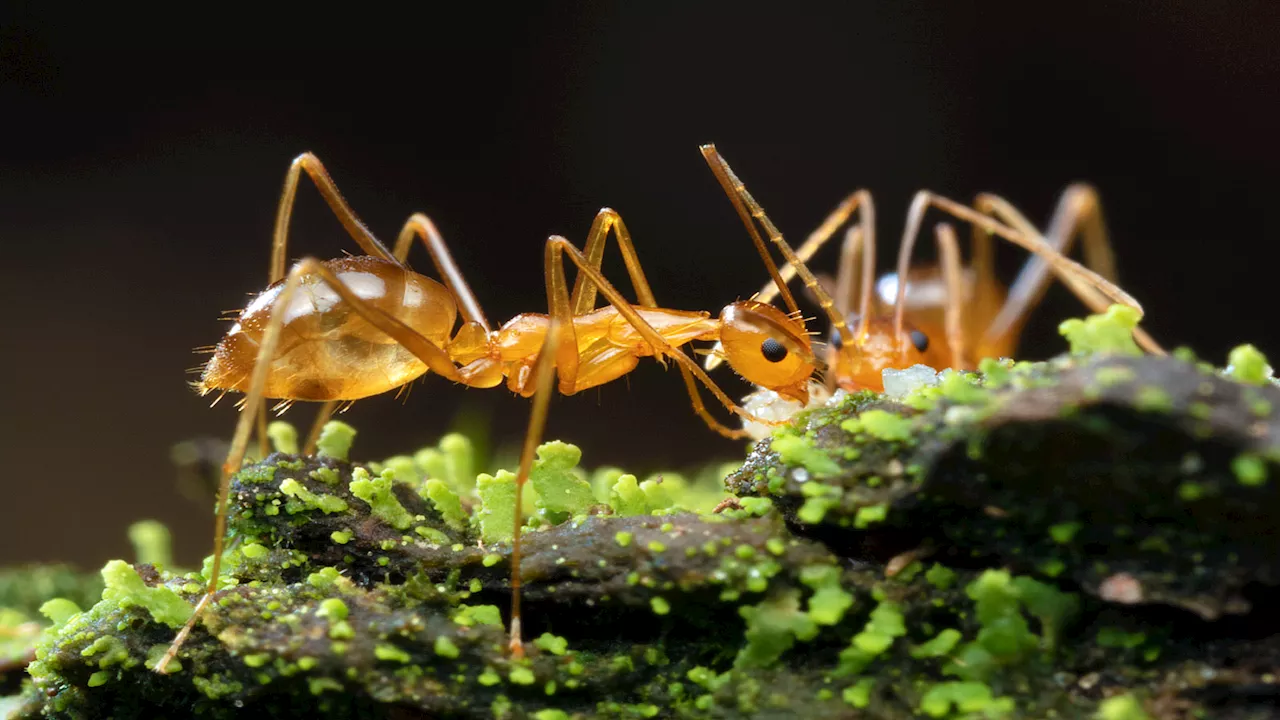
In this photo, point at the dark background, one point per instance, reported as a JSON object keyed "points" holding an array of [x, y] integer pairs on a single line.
{"points": [[141, 161]]}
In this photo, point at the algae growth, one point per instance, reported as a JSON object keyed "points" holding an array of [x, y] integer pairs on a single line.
{"points": [[1085, 537]]}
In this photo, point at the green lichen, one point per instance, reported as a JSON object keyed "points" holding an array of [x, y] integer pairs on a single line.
{"points": [[1121, 707], [376, 491], [328, 504], [1108, 333], [447, 503], [151, 543], [773, 626], [335, 440], [284, 438], [830, 600], [125, 588], [1250, 469], [795, 450], [972, 699], [452, 462], [497, 513], [884, 626], [1247, 365], [880, 424], [552, 643], [560, 489]]}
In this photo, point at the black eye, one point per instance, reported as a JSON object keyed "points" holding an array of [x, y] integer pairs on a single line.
{"points": [[835, 340], [773, 350], [920, 340]]}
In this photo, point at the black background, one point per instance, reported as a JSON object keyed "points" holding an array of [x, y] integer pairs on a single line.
{"points": [[141, 160]]}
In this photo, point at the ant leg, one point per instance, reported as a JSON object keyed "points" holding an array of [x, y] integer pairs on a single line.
{"points": [[865, 230], [743, 201], [1071, 272], [322, 417], [263, 446], [567, 352], [949, 253], [583, 299], [421, 226], [585, 289], [1078, 213], [435, 358], [309, 163], [235, 456], [543, 374]]}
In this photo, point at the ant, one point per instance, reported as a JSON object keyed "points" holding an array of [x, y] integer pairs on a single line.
{"points": [[967, 306], [349, 328]]}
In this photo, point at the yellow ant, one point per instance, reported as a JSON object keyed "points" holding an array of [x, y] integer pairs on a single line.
{"points": [[967, 306], [345, 329]]}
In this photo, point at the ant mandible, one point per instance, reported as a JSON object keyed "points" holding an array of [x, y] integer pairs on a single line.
{"points": [[349, 328]]}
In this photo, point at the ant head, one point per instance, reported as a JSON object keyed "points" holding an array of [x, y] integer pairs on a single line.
{"points": [[767, 347], [858, 366]]}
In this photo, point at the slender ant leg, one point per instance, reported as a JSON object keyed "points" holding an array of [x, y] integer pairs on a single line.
{"points": [[1079, 213], [434, 357], [855, 237], [1073, 274], [543, 375]]}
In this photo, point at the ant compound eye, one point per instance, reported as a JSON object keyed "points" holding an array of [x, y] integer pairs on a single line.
{"points": [[920, 340], [773, 351], [835, 340]]}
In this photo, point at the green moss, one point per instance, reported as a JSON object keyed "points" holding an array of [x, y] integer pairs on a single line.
{"points": [[968, 698], [447, 503], [880, 424], [328, 504], [334, 609], [859, 694], [376, 491], [829, 601], [623, 538], [940, 645], [1063, 533], [497, 512], [560, 489], [815, 509], [151, 543], [391, 653], [1121, 707], [125, 588], [284, 438], [254, 550], [1245, 364], [660, 605], [884, 626], [795, 450], [940, 576], [1108, 333], [1153, 399], [452, 461], [469, 615], [773, 626], [870, 514], [59, 611], [342, 537], [335, 440], [1249, 469], [444, 647], [552, 643]]}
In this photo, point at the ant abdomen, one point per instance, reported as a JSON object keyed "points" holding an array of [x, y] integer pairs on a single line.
{"points": [[327, 350]]}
